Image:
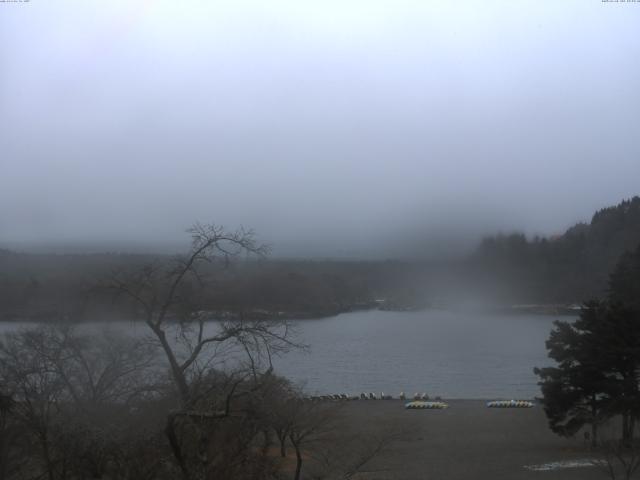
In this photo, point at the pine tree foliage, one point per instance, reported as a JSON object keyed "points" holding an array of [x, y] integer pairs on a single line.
{"points": [[597, 375]]}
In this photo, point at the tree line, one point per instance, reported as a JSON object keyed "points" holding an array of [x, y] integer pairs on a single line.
{"points": [[47, 287], [566, 268], [504, 269]]}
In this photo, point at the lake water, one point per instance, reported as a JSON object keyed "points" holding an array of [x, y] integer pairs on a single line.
{"points": [[454, 355]]}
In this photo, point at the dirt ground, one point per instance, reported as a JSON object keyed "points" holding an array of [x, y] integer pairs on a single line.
{"points": [[469, 441]]}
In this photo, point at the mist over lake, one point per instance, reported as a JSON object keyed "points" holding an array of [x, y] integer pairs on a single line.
{"points": [[226, 227]]}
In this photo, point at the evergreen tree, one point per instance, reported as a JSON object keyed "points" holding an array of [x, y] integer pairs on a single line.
{"points": [[576, 391], [617, 344], [598, 360], [624, 281], [569, 267]]}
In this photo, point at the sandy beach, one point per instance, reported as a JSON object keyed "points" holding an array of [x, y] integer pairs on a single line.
{"points": [[470, 441]]}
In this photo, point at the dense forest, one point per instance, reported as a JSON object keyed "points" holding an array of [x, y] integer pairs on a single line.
{"points": [[572, 267], [503, 270], [38, 287]]}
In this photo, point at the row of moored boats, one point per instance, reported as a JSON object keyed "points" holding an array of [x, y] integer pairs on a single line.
{"points": [[420, 400]]}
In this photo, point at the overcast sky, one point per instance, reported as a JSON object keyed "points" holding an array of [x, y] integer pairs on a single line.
{"points": [[333, 127]]}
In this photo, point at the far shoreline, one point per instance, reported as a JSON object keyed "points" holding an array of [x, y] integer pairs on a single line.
{"points": [[563, 310]]}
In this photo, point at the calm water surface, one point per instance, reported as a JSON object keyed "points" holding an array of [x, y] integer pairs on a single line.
{"points": [[454, 355]]}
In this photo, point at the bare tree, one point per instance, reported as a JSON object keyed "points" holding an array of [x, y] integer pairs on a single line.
{"points": [[281, 404], [323, 442], [11, 457], [349, 454], [167, 295], [619, 459], [73, 395], [310, 424], [29, 377]]}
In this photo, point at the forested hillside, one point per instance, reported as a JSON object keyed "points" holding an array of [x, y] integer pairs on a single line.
{"points": [[505, 269], [53, 287], [568, 268]]}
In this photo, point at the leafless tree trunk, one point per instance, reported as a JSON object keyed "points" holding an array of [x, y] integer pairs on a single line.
{"points": [[619, 459], [296, 445], [159, 291], [6, 407], [282, 438]]}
